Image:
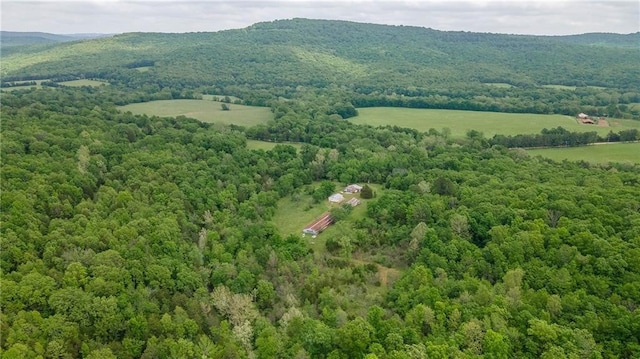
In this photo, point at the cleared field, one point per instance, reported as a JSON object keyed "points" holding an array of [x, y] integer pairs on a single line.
{"points": [[80, 83], [489, 123], [560, 87], [498, 84], [292, 216], [615, 152], [264, 145], [205, 111]]}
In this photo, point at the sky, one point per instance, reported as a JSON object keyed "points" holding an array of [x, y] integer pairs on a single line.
{"points": [[541, 17]]}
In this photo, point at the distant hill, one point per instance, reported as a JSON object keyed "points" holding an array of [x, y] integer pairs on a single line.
{"points": [[320, 53], [10, 39], [604, 39]]}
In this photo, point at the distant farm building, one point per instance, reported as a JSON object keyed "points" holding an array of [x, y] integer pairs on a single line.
{"points": [[353, 188], [584, 119], [353, 202], [336, 198], [319, 225]]}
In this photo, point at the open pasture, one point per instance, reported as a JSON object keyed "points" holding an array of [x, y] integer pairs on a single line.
{"points": [[601, 153], [489, 123], [205, 111], [498, 84], [84, 82], [265, 145]]}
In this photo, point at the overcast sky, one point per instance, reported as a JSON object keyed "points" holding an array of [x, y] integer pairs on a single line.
{"points": [[542, 17]]}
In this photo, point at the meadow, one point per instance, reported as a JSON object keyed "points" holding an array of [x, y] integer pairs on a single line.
{"points": [[264, 145], [489, 123], [603, 153], [205, 111], [84, 82]]}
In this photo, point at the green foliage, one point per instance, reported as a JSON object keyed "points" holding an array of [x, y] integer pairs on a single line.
{"points": [[138, 236], [366, 192]]}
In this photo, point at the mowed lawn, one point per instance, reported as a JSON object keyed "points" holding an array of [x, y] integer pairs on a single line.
{"points": [[205, 111], [615, 152], [489, 123]]}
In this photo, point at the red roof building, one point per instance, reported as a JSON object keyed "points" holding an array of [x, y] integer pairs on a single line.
{"points": [[319, 225]]}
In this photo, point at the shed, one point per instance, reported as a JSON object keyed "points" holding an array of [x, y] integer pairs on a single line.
{"points": [[319, 225], [336, 198]]}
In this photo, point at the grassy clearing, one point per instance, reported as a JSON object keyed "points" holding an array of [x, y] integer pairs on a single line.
{"points": [[264, 145], [292, 216], [498, 84], [205, 111], [490, 123], [616, 152], [143, 68], [560, 87], [80, 83]]}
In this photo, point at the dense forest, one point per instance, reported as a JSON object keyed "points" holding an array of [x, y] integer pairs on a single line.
{"points": [[142, 237], [365, 64]]}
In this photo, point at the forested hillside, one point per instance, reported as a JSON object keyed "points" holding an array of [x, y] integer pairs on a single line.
{"points": [[373, 65], [142, 237]]}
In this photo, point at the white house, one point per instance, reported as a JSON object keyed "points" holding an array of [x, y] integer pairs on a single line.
{"points": [[336, 198]]}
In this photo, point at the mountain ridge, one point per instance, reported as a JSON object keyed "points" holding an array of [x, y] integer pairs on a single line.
{"points": [[321, 52]]}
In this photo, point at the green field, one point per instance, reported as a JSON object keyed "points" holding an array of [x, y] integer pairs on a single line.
{"points": [[205, 111], [292, 216], [616, 152], [489, 123], [80, 83], [498, 84], [264, 145], [560, 87]]}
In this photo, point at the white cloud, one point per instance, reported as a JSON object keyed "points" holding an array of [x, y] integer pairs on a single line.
{"points": [[546, 17]]}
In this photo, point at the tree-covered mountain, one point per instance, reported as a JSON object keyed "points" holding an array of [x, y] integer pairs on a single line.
{"points": [[360, 64], [363, 57]]}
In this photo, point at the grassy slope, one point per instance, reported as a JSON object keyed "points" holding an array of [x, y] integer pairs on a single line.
{"points": [[205, 111], [490, 123], [618, 152]]}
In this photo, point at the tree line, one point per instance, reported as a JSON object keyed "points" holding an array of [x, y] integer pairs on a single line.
{"points": [[560, 137]]}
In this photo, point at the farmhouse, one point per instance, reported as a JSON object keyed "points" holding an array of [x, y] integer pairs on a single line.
{"points": [[336, 198], [353, 188], [583, 116], [319, 225]]}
